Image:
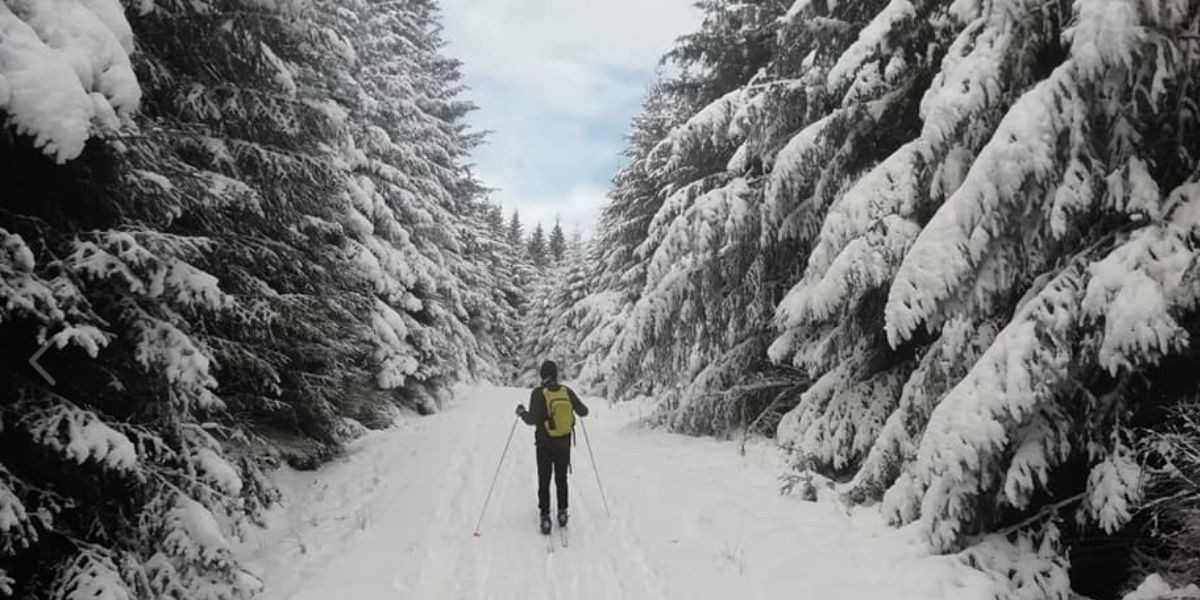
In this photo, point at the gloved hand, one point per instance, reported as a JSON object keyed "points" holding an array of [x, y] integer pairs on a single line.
{"points": [[520, 410]]}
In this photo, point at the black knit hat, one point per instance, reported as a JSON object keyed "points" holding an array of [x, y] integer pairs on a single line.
{"points": [[549, 371]]}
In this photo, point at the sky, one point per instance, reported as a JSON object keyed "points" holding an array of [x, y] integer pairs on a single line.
{"points": [[557, 83]]}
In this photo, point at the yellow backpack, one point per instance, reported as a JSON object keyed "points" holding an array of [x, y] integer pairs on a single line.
{"points": [[561, 414]]}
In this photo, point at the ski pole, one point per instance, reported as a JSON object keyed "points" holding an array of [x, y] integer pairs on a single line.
{"points": [[496, 476], [591, 455]]}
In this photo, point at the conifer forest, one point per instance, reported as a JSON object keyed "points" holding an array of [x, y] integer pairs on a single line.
{"points": [[943, 256]]}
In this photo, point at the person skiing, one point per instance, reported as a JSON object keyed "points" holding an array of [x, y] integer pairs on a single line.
{"points": [[552, 410]]}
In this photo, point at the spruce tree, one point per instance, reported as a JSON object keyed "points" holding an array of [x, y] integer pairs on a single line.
{"points": [[552, 327], [536, 248], [557, 244], [516, 232], [223, 247], [170, 251], [494, 216], [911, 233]]}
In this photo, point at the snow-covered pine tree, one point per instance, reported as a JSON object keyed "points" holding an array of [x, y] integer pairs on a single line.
{"points": [[552, 328], [624, 223], [871, 85], [490, 297], [129, 446], [536, 248], [515, 231], [494, 216], [195, 271], [407, 157], [697, 329], [502, 260], [465, 297], [634, 197], [1104, 214], [517, 276], [557, 243], [954, 206]]}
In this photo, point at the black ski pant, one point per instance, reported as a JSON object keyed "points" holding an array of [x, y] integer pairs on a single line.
{"points": [[550, 458]]}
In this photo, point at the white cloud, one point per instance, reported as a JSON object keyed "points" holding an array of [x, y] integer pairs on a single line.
{"points": [[563, 55], [557, 82]]}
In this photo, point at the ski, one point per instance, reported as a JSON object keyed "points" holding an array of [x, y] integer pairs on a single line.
{"points": [[562, 527], [549, 540], [547, 533]]}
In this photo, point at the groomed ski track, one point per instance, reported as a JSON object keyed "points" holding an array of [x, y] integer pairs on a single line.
{"points": [[690, 518]]}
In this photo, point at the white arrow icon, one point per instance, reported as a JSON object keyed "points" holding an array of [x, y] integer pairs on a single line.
{"points": [[37, 367]]}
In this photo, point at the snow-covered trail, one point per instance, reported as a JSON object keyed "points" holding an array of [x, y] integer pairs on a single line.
{"points": [[690, 518]]}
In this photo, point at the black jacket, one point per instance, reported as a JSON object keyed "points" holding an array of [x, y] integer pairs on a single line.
{"points": [[536, 416]]}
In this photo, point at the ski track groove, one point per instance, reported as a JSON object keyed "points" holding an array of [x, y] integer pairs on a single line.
{"points": [[449, 500], [458, 566]]}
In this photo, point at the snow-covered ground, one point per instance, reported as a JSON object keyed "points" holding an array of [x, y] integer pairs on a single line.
{"points": [[690, 518]]}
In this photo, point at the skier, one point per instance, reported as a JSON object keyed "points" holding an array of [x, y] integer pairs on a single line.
{"points": [[552, 409]]}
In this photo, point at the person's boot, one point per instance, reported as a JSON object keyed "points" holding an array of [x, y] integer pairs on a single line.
{"points": [[546, 524], [562, 517]]}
